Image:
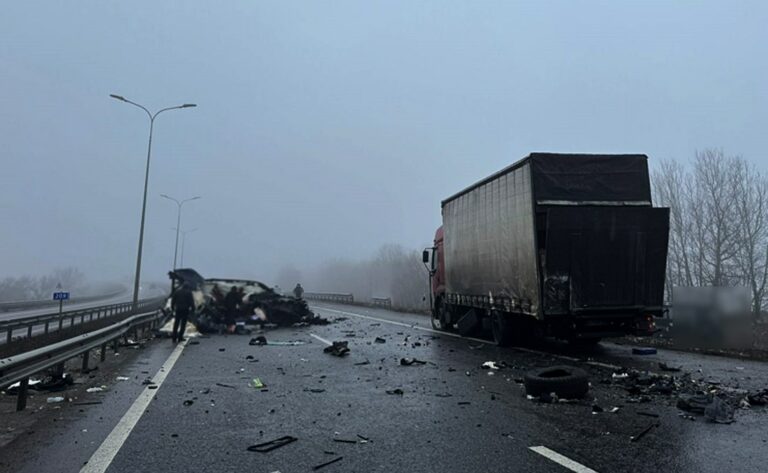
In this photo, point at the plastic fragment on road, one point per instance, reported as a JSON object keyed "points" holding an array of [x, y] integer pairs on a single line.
{"points": [[122, 378], [188, 402], [322, 465], [96, 389], [643, 351], [55, 399], [490, 365], [223, 385], [396, 391], [338, 348], [379, 340], [257, 383], [411, 361], [272, 444]]}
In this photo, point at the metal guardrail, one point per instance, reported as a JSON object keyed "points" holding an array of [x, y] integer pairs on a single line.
{"points": [[329, 297], [26, 305], [71, 317], [381, 301], [20, 367]]}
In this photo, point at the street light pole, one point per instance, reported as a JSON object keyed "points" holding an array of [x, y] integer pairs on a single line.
{"points": [[183, 240], [178, 222], [152, 117]]}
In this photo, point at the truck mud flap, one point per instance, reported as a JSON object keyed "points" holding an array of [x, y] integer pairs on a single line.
{"points": [[467, 322]]}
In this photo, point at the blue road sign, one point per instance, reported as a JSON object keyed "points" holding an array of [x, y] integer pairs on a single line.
{"points": [[60, 296]]}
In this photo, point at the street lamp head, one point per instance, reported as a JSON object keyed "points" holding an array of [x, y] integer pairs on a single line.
{"points": [[164, 195], [196, 197], [118, 97], [189, 105]]}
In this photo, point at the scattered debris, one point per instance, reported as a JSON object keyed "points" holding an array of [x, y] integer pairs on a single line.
{"points": [[642, 433], [317, 467], [379, 340], [397, 391], [314, 390], [411, 361], [338, 348], [96, 389], [493, 365], [647, 414], [260, 340], [272, 444], [257, 383], [55, 399], [362, 363], [643, 351], [188, 402], [122, 378], [719, 412], [665, 367], [225, 385]]}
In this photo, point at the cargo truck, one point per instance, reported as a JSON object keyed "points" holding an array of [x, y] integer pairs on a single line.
{"points": [[562, 245]]}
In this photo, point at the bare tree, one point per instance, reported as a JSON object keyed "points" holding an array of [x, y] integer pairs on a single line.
{"points": [[752, 214]]}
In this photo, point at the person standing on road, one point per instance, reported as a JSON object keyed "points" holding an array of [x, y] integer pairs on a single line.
{"points": [[182, 304], [298, 291]]}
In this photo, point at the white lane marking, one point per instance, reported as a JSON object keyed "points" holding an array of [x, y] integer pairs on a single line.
{"points": [[604, 365], [320, 338], [456, 335], [102, 458], [401, 324], [562, 460]]}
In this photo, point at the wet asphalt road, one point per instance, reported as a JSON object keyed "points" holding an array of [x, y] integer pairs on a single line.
{"points": [[453, 415]]}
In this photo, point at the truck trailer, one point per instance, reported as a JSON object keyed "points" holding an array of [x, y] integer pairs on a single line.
{"points": [[563, 245]]}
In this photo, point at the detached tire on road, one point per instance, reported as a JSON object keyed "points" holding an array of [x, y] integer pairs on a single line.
{"points": [[566, 381]]}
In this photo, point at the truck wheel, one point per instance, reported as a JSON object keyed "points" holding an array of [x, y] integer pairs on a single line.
{"points": [[501, 329], [565, 381]]}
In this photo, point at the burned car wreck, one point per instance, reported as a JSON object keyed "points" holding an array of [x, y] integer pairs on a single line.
{"points": [[231, 304]]}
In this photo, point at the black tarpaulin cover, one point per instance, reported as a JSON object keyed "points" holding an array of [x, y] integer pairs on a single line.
{"points": [[590, 178]]}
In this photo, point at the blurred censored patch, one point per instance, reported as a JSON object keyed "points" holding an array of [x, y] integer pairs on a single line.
{"points": [[712, 317]]}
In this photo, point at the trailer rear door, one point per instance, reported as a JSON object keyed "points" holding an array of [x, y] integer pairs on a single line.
{"points": [[602, 258]]}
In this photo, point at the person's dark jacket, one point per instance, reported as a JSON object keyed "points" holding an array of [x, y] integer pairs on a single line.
{"points": [[182, 301]]}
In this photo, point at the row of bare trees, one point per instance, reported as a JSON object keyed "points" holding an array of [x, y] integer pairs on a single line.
{"points": [[31, 288], [395, 272], [718, 222]]}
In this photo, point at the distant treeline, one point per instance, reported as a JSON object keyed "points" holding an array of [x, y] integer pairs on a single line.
{"points": [[35, 288], [718, 222]]}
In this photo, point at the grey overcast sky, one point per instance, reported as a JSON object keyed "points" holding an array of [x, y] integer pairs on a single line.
{"points": [[327, 129]]}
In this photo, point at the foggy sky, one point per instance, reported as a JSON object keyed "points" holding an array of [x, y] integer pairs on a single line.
{"points": [[327, 129]]}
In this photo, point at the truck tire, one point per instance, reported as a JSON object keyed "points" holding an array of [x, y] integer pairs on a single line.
{"points": [[565, 381], [501, 327]]}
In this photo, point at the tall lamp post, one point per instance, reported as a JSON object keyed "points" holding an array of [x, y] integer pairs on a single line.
{"points": [[179, 203], [152, 117], [183, 240]]}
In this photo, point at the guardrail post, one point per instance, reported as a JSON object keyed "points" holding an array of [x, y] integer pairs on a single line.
{"points": [[85, 362], [115, 344], [103, 352], [21, 400], [10, 335], [47, 322], [29, 331]]}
